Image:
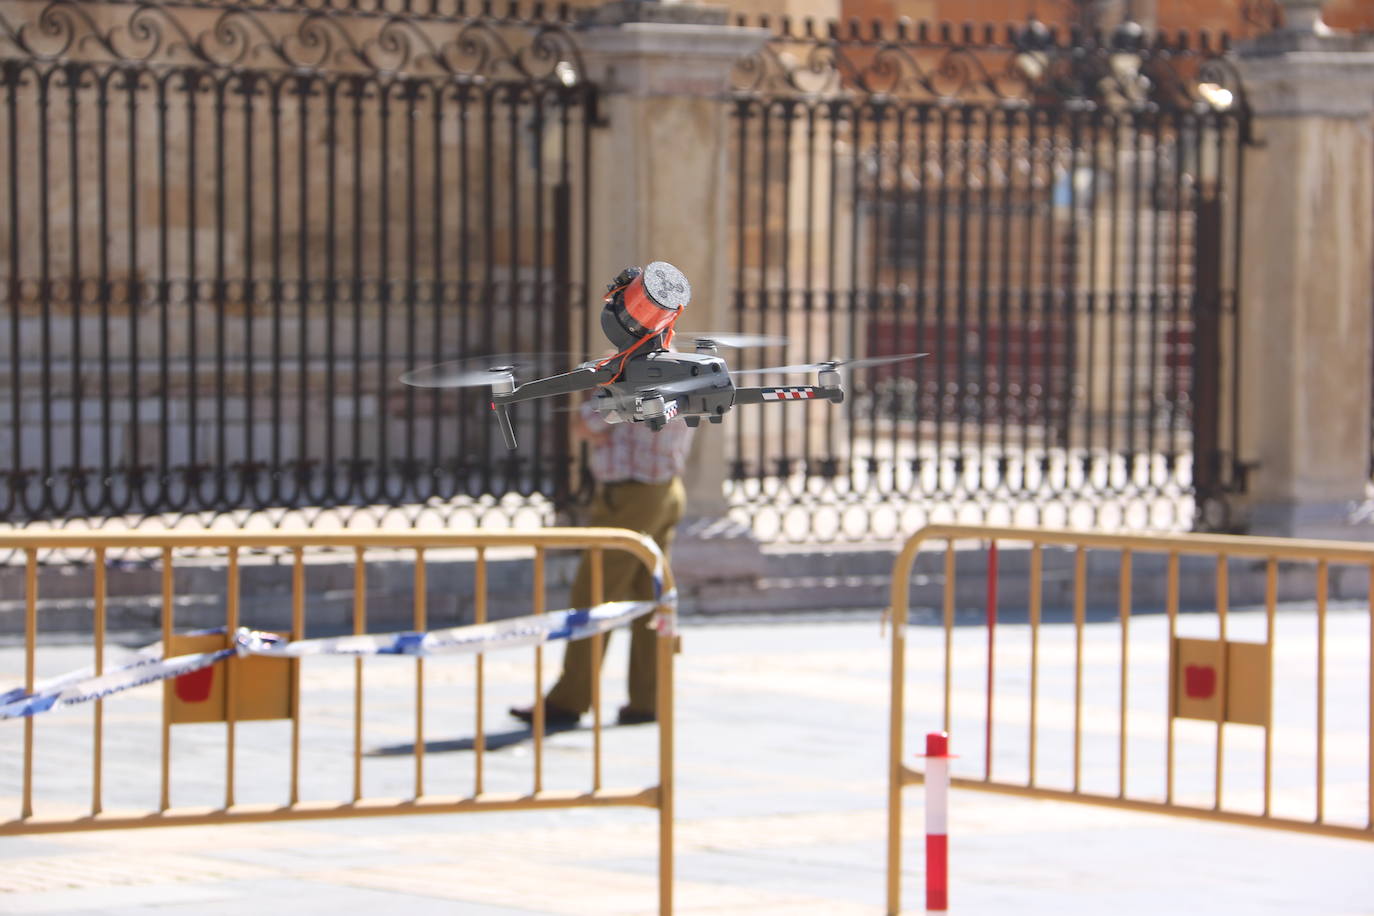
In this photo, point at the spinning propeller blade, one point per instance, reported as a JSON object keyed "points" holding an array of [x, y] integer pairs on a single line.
{"points": [[832, 364], [479, 371], [734, 339]]}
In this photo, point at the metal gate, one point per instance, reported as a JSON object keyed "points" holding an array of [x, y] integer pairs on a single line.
{"points": [[229, 227], [1051, 217]]}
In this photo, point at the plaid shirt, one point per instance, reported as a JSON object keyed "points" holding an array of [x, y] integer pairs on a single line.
{"points": [[633, 451]]}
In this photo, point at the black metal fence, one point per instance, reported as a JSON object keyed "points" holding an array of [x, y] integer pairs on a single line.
{"points": [[1050, 216], [228, 228]]}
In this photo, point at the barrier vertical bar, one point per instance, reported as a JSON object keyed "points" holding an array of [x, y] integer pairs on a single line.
{"points": [[1080, 598], [1171, 606], [359, 628], [896, 711], [992, 647], [30, 638], [1124, 613], [1271, 596], [479, 616], [231, 625], [538, 722], [950, 572], [297, 632], [663, 688], [98, 726], [1223, 597], [420, 589], [1369, 759], [1036, 577], [598, 642], [165, 798], [1322, 575]]}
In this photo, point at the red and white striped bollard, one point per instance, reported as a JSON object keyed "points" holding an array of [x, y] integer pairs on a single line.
{"points": [[937, 821]]}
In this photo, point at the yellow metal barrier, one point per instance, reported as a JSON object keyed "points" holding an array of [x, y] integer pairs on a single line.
{"points": [[1221, 680], [599, 540]]}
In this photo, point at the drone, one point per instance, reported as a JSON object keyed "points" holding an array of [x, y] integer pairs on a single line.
{"points": [[645, 381]]}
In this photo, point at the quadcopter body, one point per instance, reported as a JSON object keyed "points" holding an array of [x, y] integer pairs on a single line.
{"points": [[662, 385], [646, 380]]}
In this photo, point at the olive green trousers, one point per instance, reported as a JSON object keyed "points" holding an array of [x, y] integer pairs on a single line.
{"points": [[653, 509]]}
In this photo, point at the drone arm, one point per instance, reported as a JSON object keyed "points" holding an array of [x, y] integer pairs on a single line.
{"points": [[787, 393], [582, 379]]}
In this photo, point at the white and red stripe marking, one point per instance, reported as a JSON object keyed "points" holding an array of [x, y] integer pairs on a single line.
{"points": [[937, 821], [788, 394]]}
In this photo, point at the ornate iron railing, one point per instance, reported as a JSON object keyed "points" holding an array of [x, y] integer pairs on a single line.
{"points": [[228, 229], [1050, 216], [509, 12], [289, 36]]}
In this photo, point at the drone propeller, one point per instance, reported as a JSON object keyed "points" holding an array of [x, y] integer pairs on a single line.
{"points": [[480, 371], [734, 339], [832, 364]]}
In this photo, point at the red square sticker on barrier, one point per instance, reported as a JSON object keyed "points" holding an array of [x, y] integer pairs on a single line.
{"points": [[1199, 681], [195, 687], [261, 687], [1221, 681]]}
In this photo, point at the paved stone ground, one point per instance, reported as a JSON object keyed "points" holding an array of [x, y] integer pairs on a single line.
{"points": [[781, 774]]}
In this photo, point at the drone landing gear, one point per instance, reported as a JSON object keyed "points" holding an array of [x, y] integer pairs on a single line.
{"points": [[694, 420], [503, 383], [503, 419]]}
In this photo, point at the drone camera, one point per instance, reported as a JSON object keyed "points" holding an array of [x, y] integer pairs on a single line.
{"points": [[606, 406], [644, 302]]}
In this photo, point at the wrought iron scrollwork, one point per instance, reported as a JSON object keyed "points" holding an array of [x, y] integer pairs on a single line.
{"points": [[509, 12], [154, 34], [1124, 69], [1261, 16]]}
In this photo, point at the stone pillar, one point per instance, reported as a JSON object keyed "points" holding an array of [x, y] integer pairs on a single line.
{"points": [[1308, 237], [661, 177]]}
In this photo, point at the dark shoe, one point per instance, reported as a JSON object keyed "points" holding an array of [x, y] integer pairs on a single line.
{"points": [[630, 716], [554, 716]]}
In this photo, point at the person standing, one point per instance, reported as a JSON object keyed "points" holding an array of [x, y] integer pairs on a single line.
{"points": [[638, 475]]}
